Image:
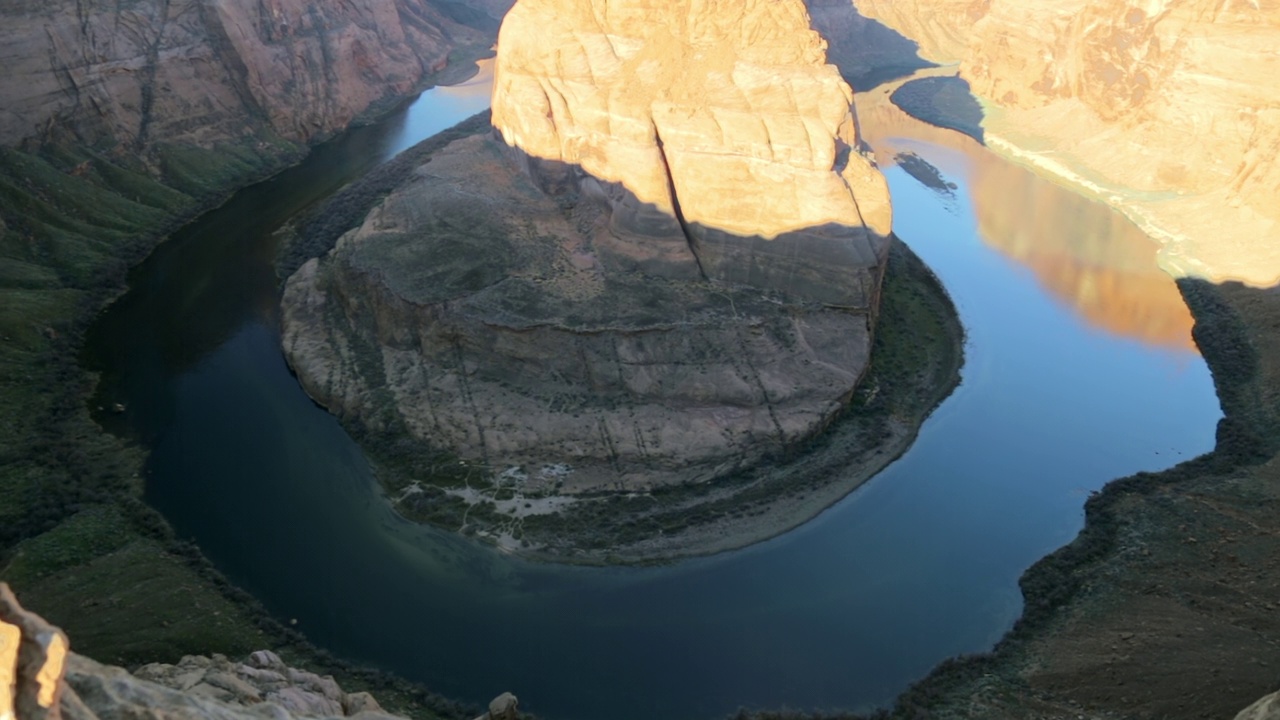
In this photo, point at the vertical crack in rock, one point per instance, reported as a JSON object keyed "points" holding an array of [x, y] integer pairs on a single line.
{"points": [[147, 87], [675, 202]]}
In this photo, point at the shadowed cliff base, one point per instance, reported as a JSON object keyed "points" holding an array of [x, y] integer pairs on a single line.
{"points": [[611, 405], [1165, 604]]}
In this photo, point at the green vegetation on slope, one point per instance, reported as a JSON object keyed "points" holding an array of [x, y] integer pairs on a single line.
{"points": [[76, 541], [1132, 618]]}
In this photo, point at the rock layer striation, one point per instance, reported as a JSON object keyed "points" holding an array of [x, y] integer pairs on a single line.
{"points": [[196, 72], [1169, 110], [663, 266], [721, 122]]}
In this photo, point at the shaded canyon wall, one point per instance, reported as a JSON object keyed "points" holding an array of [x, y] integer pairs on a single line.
{"points": [[133, 75], [662, 266]]}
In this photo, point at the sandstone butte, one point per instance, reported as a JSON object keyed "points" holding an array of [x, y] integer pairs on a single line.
{"points": [[663, 265], [1168, 109]]}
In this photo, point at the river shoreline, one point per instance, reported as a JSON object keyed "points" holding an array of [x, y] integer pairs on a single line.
{"points": [[914, 367], [87, 539], [1118, 601], [918, 322], [955, 680]]}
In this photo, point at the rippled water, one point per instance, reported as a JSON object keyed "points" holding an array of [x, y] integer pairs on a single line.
{"points": [[1079, 369]]}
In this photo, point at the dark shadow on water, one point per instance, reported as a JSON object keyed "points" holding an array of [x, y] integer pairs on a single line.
{"points": [[942, 101]]}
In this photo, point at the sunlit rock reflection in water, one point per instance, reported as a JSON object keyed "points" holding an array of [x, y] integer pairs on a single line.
{"points": [[1085, 254]]}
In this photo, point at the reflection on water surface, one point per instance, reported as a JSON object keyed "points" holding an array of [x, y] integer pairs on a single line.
{"points": [[1093, 259]]}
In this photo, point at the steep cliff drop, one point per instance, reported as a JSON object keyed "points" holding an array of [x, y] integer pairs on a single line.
{"points": [[1169, 110], [145, 74], [118, 118], [662, 268]]}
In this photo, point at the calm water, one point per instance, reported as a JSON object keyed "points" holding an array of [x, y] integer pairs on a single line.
{"points": [[918, 565]]}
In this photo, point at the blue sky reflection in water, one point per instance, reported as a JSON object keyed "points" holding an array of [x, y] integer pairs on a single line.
{"points": [[916, 566]]}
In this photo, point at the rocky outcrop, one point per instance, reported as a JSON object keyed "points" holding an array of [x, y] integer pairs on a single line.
{"points": [[866, 52], [663, 268], [185, 71], [40, 679], [481, 314], [1169, 110], [719, 130], [1266, 708], [33, 654]]}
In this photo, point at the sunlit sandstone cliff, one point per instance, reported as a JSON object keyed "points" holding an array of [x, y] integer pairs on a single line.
{"points": [[723, 118], [1168, 109], [198, 72], [662, 266]]}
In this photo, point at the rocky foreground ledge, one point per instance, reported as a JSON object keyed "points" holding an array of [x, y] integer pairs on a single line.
{"points": [[41, 679]]}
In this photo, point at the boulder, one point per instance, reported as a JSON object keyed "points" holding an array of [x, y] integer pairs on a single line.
{"points": [[1266, 708]]}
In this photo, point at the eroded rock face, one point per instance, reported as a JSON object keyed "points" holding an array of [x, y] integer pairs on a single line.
{"points": [[198, 72], [722, 123], [1266, 708], [1169, 110], [941, 27], [482, 314], [663, 267]]}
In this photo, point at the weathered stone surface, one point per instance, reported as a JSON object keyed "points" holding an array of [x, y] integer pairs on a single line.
{"points": [[1266, 708], [266, 659], [723, 123], [102, 692], [263, 678], [42, 653], [866, 52], [1169, 110], [481, 313], [198, 72], [665, 269], [941, 27], [10, 639], [356, 703]]}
